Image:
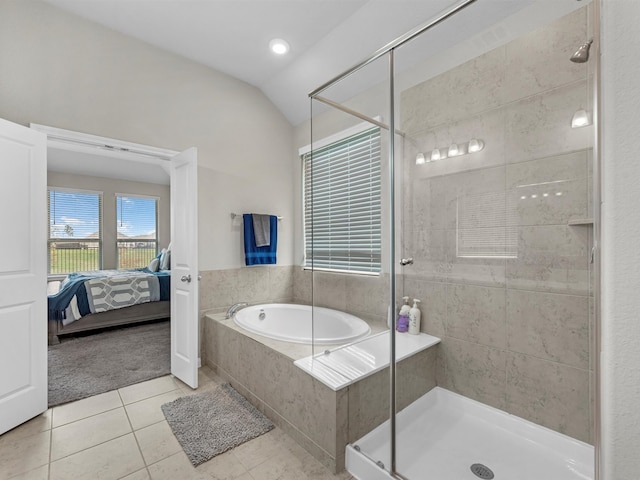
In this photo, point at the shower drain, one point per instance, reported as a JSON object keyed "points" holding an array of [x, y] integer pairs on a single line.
{"points": [[481, 471]]}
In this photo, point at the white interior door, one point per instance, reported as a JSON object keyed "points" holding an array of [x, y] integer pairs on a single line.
{"points": [[23, 274], [184, 267]]}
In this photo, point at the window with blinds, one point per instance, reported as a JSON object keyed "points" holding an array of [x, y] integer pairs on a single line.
{"points": [[342, 211], [137, 227], [75, 230]]}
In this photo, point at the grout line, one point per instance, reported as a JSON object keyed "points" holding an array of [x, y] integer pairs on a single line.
{"points": [[150, 397], [84, 418], [145, 468], [134, 435], [50, 447], [92, 446]]}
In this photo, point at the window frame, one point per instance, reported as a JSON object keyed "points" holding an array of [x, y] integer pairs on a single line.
{"points": [[345, 135], [50, 240], [118, 241]]}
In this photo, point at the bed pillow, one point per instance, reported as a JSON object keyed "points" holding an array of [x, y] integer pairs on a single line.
{"points": [[160, 257], [165, 261], [154, 264]]}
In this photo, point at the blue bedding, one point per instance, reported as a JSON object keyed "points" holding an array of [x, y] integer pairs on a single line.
{"points": [[74, 285]]}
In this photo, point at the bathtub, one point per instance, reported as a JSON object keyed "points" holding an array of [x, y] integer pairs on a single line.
{"points": [[293, 323]]}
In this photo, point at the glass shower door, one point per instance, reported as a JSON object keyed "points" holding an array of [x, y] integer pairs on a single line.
{"points": [[496, 214]]}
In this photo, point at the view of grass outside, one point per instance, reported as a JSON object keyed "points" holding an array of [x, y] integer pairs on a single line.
{"points": [[67, 260], [137, 257], [73, 258]]}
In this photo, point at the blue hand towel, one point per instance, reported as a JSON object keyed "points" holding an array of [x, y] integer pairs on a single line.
{"points": [[254, 255]]}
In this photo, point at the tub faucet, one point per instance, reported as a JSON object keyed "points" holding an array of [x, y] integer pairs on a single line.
{"points": [[234, 308]]}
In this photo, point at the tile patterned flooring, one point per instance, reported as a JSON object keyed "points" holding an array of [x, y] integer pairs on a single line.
{"points": [[122, 434]]}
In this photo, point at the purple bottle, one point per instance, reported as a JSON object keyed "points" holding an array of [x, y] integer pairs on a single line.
{"points": [[402, 325]]}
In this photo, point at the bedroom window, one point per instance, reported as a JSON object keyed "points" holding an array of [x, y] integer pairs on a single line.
{"points": [[75, 231], [342, 213], [137, 227]]}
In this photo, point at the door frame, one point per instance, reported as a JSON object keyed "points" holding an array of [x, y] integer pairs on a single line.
{"points": [[70, 140]]}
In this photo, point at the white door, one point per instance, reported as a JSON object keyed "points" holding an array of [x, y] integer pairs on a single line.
{"points": [[184, 267], [23, 274]]}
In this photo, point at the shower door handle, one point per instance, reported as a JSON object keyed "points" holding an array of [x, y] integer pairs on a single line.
{"points": [[406, 261]]}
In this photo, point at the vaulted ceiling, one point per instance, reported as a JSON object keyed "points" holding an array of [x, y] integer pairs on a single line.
{"points": [[326, 36]]}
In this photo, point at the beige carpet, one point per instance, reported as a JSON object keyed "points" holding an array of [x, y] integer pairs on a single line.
{"points": [[86, 366]]}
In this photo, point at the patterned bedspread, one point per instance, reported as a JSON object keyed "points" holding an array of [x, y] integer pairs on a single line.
{"points": [[98, 291]]}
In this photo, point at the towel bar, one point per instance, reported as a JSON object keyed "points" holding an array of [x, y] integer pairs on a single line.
{"points": [[234, 215]]}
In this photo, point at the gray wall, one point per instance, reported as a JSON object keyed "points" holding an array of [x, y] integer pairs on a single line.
{"points": [[109, 188]]}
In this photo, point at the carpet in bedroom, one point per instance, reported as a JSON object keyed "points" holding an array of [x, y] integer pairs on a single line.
{"points": [[86, 366]]}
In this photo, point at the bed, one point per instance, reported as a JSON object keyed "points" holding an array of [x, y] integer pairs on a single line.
{"points": [[104, 298]]}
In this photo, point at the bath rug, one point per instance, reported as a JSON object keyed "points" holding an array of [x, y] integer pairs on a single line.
{"points": [[88, 365], [210, 423]]}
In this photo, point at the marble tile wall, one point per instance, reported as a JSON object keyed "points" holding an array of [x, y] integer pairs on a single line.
{"points": [[517, 327], [362, 295]]}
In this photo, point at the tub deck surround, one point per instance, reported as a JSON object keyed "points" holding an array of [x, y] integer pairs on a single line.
{"points": [[322, 420], [340, 367], [445, 433]]}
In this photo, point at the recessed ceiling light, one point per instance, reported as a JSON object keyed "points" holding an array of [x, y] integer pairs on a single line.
{"points": [[279, 46]]}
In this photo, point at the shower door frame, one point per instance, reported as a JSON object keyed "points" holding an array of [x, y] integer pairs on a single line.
{"points": [[389, 50]]}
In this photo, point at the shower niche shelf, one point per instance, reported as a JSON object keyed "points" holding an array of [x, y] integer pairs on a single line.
{"points": [[576, 222]]}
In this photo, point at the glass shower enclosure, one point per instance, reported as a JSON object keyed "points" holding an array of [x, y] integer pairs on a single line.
{"points": [[455, 166]]}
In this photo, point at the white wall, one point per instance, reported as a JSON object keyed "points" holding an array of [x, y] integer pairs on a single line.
{"points": [[620, 358], [60, 70], [109, 188]]}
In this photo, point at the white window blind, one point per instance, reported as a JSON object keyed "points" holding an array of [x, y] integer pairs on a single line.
{"points": [[75, 230], [342, 212], [137, 227]]}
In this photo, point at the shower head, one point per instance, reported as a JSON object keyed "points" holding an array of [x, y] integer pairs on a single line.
{"points": [[582, 54]]}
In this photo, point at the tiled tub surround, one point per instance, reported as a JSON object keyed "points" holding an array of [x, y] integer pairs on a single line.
{"points": [[322, 420]]}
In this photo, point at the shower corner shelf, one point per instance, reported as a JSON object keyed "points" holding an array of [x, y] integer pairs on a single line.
{"points": [[576, 222]]}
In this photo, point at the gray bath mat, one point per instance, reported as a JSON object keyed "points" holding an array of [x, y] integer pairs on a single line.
{"points": [[210, 423]]}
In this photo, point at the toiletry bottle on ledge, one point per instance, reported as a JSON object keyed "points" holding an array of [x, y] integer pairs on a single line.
{"points": [[414, 318], [403, 317]]}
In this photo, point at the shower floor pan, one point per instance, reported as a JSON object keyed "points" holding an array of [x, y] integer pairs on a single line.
{"points": [[442, 434]]}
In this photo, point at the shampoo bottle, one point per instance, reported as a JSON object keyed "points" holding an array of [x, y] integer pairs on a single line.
{"points": [[403, 317], [414, 318]]}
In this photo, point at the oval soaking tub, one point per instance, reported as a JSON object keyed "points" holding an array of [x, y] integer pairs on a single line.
{"points": [[292, 323]]}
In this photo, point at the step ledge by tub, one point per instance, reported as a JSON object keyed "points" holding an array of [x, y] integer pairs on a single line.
{"points": [[348, 364]]}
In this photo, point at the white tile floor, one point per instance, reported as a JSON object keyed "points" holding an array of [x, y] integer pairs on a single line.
{"points": [[122, 434]]}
